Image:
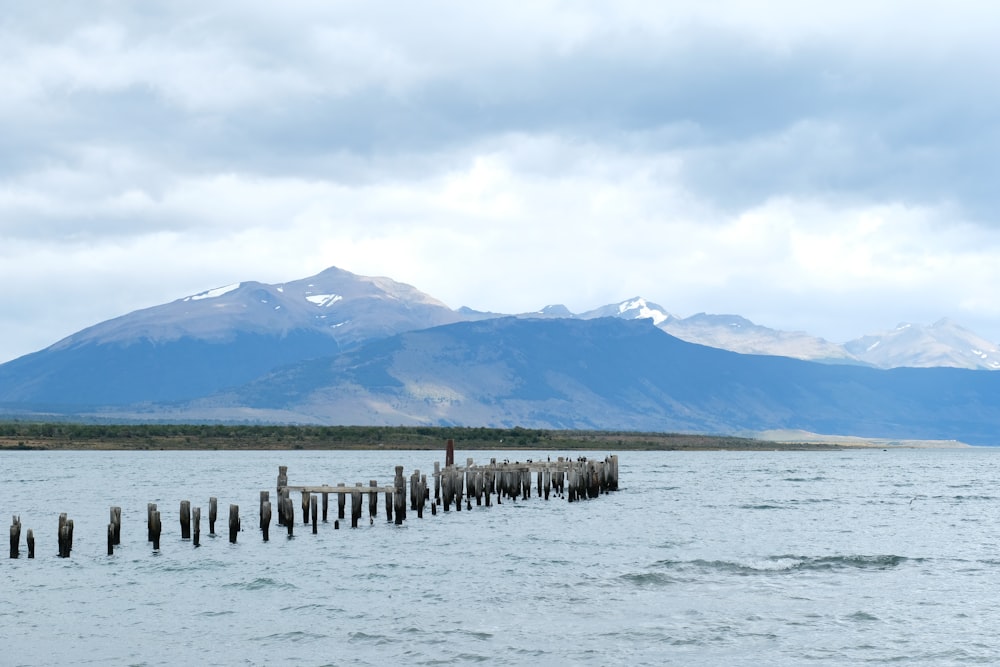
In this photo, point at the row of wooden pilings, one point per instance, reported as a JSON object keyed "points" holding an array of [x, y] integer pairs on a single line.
{"points": [[573, 479]]}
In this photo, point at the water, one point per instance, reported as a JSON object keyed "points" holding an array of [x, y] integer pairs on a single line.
{"points": [[702, 558]]}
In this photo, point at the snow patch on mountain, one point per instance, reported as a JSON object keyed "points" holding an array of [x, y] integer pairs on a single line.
{"points": [[641, 310], [324, 300], [213, 293]]}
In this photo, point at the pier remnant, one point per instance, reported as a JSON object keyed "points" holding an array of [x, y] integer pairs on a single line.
{"points": [[185, 519], [15, 537], [234, 522]]}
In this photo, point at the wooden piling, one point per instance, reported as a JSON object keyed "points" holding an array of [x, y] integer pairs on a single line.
{"points": [[155, 529], [449, 453], [326, 505], [116, 520], [437, 482], [213, 514], [265, 519], [111, 539], [234, 522], [31, 543], [356, 505], [150, 508], [372, 499], [185, 519], [341, 502], [197, 526], [314, 507], [15, 537], [305, 507], [286, 503], [399, 496]]}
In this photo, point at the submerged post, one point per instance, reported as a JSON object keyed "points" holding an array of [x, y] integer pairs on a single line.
{"points": [[31, 543], [313, 502]]}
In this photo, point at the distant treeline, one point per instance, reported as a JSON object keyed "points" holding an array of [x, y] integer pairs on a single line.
{"points": [[64, 435]]}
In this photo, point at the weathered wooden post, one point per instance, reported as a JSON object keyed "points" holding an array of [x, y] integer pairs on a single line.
{"points": [[197, 526], [388, 506], [437, 482], [185, 519], [265, 519], [356, 505], [399, 496], [155, 528], [213, 514], [326, 505], [456, 485], [15, 537], [265, 496], [31, 543], [111, 539], [305, 507], [341, 501], [423, 496], [449, 453], [313, 507], [282, 483], [234, 522], [286, 503], [116, 519], [150, 508], [372, 499]]}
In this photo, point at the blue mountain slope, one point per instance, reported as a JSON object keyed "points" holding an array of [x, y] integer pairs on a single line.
{"points": [[148, 371], [615, 374]]}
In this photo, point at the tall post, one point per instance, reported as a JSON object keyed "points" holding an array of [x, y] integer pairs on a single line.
{"points": [[185, 519], [213, 514], [449, 453], [399, 496], [234, 522]]}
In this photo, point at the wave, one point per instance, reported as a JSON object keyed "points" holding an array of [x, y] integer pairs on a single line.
{"points": [[770, 565], [261, 583]]}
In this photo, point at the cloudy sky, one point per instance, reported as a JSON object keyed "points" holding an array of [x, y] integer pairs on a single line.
{"points": [[827, 167]]}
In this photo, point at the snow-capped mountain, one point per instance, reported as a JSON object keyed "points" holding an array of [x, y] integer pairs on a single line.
{"points": [[943, 343], [335, 303], [218, 338]]}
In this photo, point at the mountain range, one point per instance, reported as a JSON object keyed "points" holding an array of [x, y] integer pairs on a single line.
{"points": [[343, 348]]}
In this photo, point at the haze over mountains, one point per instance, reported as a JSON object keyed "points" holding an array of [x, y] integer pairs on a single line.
{"points": [[342, 348]]}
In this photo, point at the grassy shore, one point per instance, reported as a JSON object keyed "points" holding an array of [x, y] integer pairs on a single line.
{"points": [[66, 436]]}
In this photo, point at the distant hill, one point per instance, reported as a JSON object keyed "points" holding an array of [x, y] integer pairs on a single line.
{"points": [[607, 374]]}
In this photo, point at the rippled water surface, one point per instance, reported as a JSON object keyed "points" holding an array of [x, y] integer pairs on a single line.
{"points": [[702, 558]]}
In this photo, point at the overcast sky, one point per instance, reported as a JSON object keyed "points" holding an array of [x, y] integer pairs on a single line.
{"points": [[826, 167]]}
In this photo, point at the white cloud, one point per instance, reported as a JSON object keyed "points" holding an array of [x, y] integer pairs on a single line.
{"points": [[822, 168]]}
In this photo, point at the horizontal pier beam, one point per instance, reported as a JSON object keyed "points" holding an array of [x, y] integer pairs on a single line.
{"points": [[342, 489]]}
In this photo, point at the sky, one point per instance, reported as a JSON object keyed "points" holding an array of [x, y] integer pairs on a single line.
{"points": [[819, 167]]}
